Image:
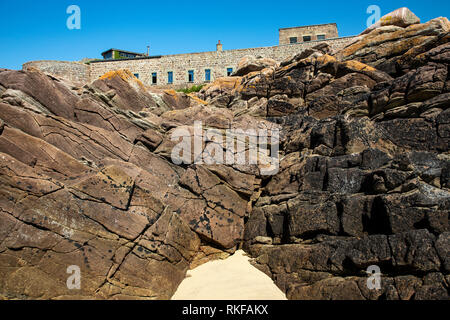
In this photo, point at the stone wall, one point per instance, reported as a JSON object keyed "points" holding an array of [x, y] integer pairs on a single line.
{"points": [[74, 71], [217, 61], [329, 30]]}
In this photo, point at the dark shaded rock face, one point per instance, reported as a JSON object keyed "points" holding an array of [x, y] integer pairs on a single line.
{"points": [[86, 176], [364, 176]]}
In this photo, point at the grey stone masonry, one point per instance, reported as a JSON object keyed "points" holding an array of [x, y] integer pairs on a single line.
{"points": [[74, 71], [308, 33], [217, 62]]}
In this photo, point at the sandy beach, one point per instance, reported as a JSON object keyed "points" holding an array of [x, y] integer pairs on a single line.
{"points": [[231, 279]]}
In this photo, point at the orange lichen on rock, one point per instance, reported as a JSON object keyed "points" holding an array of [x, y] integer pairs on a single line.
{"points": [[324, 59], [124, 74], [357, 66], [197, 99], [398, 42], [224, 83], [171, 92]]}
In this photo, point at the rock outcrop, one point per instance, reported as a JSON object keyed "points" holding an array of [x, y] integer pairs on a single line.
{"points": [[364, 172], [250, 64], [85, 182], [402, 17], [88, 177]]}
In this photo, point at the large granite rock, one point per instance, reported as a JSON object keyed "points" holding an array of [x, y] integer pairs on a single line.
{"points": [[87, 176], [81, 185], [401, 50], [402, 17], [251, 64]]}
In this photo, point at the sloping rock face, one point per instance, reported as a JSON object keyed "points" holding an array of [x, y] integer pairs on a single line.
{"points": [[89, 178], [250, 63], [397, 50], [402, 17], [363, 176]]}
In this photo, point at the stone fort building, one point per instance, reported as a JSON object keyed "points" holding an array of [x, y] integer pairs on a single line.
{"points": [[183, 70]]}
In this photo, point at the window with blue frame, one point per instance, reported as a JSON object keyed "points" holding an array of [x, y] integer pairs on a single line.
{"points": [[229, 71], [154, 78], [208, 75], [191, 75], [170, 77]]}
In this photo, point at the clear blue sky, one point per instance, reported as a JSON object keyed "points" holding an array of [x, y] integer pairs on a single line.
{"points": [[36, 30]]}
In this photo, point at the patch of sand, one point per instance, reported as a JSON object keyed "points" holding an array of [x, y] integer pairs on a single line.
{"points": [[231, 279]]}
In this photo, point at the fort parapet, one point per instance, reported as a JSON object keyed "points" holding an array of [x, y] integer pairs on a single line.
{"points": [[75, 71], [182, 70]]}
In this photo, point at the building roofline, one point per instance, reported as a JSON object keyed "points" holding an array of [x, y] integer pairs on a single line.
{"points": [[53, 61], [125, 59], [311, 25], [125, 51]]}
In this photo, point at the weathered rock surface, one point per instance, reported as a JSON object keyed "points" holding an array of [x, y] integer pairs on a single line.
{"points": [[401, 50], [87, 176], [402, 17], [85, 183], [250, 64]]}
